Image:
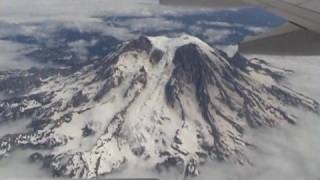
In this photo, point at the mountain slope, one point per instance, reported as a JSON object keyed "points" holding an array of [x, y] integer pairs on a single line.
{"points": [[157, 100]]}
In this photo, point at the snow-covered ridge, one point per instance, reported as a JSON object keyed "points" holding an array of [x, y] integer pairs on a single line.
{"points": [[166, 102]]}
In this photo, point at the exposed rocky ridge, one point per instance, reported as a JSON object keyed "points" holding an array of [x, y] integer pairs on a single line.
{"points": [[165, 102]]}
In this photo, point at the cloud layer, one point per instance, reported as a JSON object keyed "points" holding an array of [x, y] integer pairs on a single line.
{"points": [[50, 25], [85, 29]]}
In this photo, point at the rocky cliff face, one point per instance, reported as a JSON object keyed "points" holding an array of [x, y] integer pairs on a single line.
{"points": [[166, 102]]}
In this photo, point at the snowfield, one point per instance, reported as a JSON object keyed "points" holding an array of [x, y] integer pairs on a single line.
{"points": [[156, 103]]}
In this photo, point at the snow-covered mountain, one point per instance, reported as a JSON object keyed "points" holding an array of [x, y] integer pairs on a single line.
{"points": [[164, 102]]}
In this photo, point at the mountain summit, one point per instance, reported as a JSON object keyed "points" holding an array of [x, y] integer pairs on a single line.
{"points": [[159, 102]]}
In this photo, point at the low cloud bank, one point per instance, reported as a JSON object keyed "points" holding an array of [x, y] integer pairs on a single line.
{"points": [[50, 25], [11, 56], [288, 152], [18, 167]]}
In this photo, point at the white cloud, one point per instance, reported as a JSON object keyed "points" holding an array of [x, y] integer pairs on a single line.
{"points": [[215, 35], [42, 18], [306, 72], [121, 33], [22, 15], [256, 29], [151, 23], [69, 10], [11, 56], [30, 11], [17, 167], [287, 152], [80, 48]]}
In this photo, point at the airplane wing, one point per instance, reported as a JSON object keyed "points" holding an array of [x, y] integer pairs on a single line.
{"points": [[303, 23], [304, 13]]}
